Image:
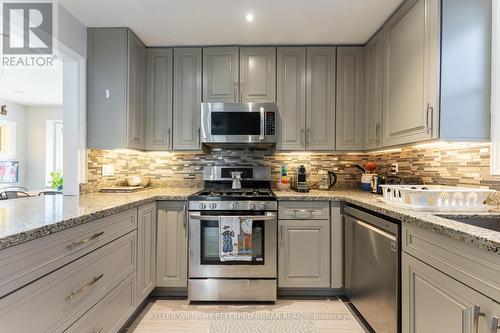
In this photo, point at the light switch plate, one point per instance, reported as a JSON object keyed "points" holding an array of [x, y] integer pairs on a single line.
{"points": [[108, 169]]}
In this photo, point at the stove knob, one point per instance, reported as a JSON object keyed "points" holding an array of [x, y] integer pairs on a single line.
{"points": [[203, 205], [233, 205], [251, 206], [213, 205], [263, 205]]}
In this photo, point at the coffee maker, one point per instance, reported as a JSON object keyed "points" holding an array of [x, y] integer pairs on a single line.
{"points": [[301, 181]]}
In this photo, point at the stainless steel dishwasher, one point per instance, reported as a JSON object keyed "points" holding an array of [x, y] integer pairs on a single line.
{"points": [[372, 268]]}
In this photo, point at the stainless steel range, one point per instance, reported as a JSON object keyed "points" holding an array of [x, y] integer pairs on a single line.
{"points": [[213, 279]]}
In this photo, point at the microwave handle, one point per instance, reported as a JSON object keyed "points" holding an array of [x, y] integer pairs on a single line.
{"points": [[262, 124]]}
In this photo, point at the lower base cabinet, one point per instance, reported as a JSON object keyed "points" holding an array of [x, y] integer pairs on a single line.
{"points": [[304, 254], [110, 313], [434, 302], [146, 251], [171, 244]]}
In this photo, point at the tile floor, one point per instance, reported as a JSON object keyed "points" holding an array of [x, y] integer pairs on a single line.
{"points": [[286, 316]]}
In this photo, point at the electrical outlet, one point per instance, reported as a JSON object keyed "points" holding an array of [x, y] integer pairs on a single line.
{"points": [[395, 167], [108, 170]]}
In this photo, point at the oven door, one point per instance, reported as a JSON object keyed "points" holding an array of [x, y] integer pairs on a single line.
{"points": [[235, 123], [204, 259]]}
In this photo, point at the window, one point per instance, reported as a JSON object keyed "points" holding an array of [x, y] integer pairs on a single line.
{"points": [[495, 90], [54, 148], [7, 138]]}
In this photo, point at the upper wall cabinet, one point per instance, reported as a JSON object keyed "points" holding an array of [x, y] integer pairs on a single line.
{"points": [[220, 74], [411, 74], [159, 99], [350, 98], [187, 98], [374, 66], [291, 97], [320, 100], [258, 74], [115, 89]]}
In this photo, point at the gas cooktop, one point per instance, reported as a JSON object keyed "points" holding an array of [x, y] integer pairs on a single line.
{"points": [[230, 194]]}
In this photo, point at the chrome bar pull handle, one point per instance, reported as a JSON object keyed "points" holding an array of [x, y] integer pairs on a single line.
{"points": [[184, 216], [430, 114], [475, 320], [85, 286], [494, 324], [83, 241], [236, 92], [377, 132], [262, 124]]}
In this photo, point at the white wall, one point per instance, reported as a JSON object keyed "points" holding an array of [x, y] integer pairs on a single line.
{"points": [[17, 113], [37, 117]]}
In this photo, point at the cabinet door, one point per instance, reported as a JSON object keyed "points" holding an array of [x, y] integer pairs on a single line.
{"points": [[146, 251], [320, 100], [171, 244], [159, 99], [136, 92], [291, 98], [350, 98], [304, 254], [410, 88], [258, 74], [220, 74], [434, 302], [107, 88], [187, 98], [374, 63]]}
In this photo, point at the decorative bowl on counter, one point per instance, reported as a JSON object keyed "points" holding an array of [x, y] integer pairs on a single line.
{"points": [[134, 180], [436, 198]]}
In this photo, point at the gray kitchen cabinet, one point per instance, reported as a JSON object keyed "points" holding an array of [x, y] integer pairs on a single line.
{"points": [[159, 99], [146, 251], [116, 89], [411, 74], [337, 246], [304, 254], [221, 74], [350, 98], [320, 98], [374, 66], [291, 97], [258, 74], [187, 98], [434, 302], [171, 244]]}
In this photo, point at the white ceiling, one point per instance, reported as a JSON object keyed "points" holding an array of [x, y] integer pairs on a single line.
{"points": [[32, 85], [217, 22]]}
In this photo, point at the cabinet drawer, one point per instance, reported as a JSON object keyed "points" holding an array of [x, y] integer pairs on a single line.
{"points": [[27, 262], [110, 313], [474, 267], [296, 210], [60, 298]]}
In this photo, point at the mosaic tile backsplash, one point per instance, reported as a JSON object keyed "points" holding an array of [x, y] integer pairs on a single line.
{"points": [[451, 164]]}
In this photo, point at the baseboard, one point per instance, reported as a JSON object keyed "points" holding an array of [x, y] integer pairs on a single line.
{"points": [[166, 292], [310, 292]]}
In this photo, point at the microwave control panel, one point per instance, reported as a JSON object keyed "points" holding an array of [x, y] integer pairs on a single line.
{"points": [[270, 123]]}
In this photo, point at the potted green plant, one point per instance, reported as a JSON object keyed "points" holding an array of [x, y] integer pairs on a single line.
{"points": [[56, 182]]}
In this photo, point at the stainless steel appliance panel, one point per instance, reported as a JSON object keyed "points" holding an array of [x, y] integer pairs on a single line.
{"points": [[266, 270], [372, 268], [254, 290], [238, 123]]}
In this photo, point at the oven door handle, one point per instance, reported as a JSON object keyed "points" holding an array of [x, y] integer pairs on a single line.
{"points": [[216, 218]]}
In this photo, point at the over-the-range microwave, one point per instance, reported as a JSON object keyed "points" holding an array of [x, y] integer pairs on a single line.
{"points": [[238, 123]]}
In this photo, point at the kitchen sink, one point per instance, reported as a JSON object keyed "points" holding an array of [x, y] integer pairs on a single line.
{"points": [[486, 222]]}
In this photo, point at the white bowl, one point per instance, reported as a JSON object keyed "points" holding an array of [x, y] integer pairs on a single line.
{"points": [[133, 180]]}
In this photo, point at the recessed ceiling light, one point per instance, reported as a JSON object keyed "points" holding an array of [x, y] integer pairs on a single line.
{"points": [[249, 17]]}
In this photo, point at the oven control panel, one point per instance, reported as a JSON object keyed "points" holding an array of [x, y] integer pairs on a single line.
{"points": [[253, 205], [270, 123]]}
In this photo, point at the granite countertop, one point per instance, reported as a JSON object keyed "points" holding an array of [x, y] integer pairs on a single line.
{"points": [[483, 238], [26, 219]]}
